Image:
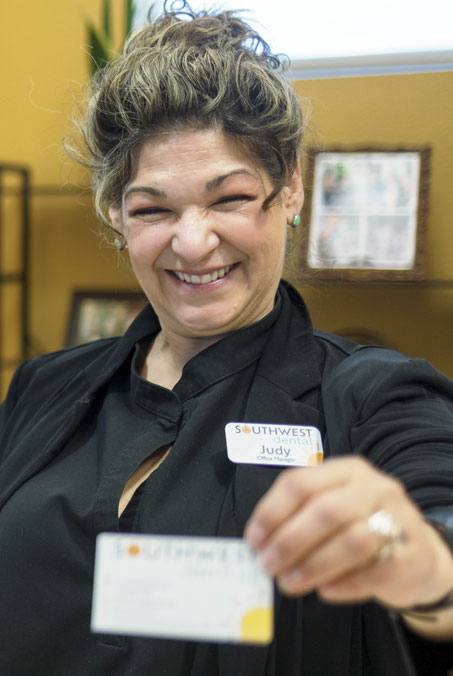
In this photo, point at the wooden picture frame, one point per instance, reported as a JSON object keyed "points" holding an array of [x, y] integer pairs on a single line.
{"points": [[98, 314], [365, 213]]}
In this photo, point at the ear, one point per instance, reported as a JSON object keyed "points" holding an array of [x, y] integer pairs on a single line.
{"points": [[293, 194], [116, 220]]}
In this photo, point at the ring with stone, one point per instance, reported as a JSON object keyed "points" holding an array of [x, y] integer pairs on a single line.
{"points": [[388, 531]]}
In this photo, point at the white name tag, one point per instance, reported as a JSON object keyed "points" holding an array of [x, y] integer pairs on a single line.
{"points": [[272, 444], [195, 588]]}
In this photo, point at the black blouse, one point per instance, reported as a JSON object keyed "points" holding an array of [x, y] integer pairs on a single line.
{"points": [[78, 423]]}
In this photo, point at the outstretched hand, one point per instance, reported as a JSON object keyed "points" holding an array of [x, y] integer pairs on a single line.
{"points": [[312, 532]]}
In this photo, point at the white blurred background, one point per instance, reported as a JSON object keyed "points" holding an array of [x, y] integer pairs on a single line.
{"points": [[395, 33]]}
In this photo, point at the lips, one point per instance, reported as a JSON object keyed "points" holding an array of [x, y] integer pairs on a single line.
{"points": [[205, 278]]}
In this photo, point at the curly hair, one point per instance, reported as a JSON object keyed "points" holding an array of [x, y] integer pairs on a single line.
{"points": [[190, 69]]}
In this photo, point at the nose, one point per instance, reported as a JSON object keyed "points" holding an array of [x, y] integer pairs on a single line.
{"points": [[194, 237]]}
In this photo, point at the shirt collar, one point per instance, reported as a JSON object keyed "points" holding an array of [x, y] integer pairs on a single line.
{"points": [[227, 356], [230, 354]]}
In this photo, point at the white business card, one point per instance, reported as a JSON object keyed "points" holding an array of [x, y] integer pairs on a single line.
{"points": [[193, 588], [273, 444]]}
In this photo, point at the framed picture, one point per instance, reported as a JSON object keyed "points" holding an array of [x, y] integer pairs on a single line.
{"points": [[366, 212], [101, 314]]}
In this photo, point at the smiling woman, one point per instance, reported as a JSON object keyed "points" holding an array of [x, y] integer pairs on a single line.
{"points": [[213, 414], [207, 254]]}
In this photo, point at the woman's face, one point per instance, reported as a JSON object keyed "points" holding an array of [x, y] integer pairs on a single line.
{"points": [[206, 254]]}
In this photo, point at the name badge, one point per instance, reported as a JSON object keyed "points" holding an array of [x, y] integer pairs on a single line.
{"points": [[193, 588], [272, 444]]}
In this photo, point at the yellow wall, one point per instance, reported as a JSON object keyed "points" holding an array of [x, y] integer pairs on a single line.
{"points": [[400, 109], [43, 67]]}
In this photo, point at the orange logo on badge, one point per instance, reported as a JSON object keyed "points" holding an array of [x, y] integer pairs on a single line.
{"points": [[315, 459], [133, 550], [246, 429]]}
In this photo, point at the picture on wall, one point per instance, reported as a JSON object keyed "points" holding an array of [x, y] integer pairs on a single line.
{"points": [[101, 314], [366, 213]]}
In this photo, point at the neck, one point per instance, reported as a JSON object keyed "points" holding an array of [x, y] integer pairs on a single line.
{"points": [[168, 355]]}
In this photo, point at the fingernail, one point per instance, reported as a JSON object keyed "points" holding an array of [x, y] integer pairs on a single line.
{"points": [[294, 578], [269, 559], [255, 535]]}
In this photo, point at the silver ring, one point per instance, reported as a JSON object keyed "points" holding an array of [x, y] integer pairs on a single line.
{"points": [[389, 532]]}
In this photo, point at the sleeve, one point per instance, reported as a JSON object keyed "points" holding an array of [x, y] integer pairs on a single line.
{"points": [[397, 412], [33, 382]]}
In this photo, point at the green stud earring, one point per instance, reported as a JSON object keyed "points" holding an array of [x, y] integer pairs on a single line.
{"points": [[119, 245], [295, 223]]}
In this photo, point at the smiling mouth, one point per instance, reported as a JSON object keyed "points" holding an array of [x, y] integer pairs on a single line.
{"points": [[206, 278]]}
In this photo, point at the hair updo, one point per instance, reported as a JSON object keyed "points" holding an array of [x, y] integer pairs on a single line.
{"points": [[193, 70]]}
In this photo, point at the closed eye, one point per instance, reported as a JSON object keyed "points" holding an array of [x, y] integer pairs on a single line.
{"points": [[147, 211], [236, 198], [231, 199]]}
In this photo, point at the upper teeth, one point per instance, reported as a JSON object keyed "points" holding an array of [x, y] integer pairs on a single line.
{"points": [[203, 279]]}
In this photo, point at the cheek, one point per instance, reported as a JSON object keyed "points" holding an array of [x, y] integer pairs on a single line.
{"points": [[271, 247], [266, 237], [146, 247]]}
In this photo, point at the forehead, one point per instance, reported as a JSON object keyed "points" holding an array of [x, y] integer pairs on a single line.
{"points": [[190, 154]]}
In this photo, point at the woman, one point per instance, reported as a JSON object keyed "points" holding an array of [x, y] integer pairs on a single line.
{"points": [[193, 138]]}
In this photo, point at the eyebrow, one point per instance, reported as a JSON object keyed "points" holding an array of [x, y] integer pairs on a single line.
{"points": [[210, 185], [145, 188]]}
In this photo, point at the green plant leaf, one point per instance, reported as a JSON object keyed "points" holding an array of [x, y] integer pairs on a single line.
{"points": [[107, 19], [99, 49], [100, 40], [129, 13]]}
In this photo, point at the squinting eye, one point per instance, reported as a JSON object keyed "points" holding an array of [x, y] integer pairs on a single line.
{"points": [[147, 211], [230, 199]]}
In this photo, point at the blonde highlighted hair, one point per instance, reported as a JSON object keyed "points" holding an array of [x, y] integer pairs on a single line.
{"points": [[189, 69]]}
